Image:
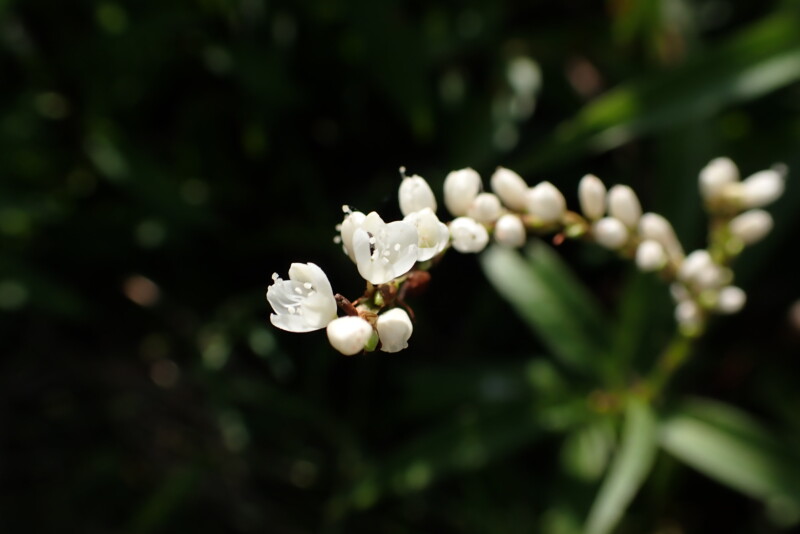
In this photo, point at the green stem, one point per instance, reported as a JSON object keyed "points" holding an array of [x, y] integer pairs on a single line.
{"points": [[673, 357]]}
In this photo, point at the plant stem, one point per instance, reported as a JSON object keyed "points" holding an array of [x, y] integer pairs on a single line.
{"points": [[673, 357]]}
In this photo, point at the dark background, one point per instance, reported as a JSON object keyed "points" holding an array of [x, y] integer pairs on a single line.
{"points": [[159, 160]]}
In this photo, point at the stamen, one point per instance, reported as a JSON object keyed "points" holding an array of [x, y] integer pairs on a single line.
{"points": [[275, 277], [346, 209], [292, 311], [385, 260], [307, 285], [397, 247]]}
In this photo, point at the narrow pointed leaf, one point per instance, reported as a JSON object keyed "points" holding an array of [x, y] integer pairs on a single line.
{"points": [[551, 300], [730, 447], [628, 471]]}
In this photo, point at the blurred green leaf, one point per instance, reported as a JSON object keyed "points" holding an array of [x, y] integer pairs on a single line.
{"points": [[628, 470], [554, 303], [732, 448], [587, 449], [754, 62]]}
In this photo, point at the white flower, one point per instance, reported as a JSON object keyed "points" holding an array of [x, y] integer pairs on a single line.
{"points": [[730, 299], [610, 233], [394, 330], [650, 256], [715, 177], [415, 194], [654, 226], [751, 226], [486, 208], [762, 188], [623, 204], [546, 202], [349, 335], [352, 220], [384, 251], [468, 235], [433, 234], [510, 187], [510, 231], [460, 189], [303, 303], [592, 197]]}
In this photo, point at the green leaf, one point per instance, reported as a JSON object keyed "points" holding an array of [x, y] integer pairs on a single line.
{"points": [[553, 302], [754, 62], [628, 471], [732, 448]]}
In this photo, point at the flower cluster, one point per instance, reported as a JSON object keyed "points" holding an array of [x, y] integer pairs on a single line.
{"points": [[394, 257]]}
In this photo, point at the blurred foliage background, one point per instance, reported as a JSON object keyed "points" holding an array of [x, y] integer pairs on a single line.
{"points": [[159, 160]]}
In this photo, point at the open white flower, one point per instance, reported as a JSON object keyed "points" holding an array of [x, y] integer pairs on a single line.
{"points": [[384, 251], [432, 233], [352, 220], [303, 303], [394, 330]]}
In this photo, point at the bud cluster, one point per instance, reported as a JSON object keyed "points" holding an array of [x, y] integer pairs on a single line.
{"points": [[394, 257]]}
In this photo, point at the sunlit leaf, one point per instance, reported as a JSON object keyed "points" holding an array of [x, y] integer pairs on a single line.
{"points": [[754, 62], [628, 471], [730, 447]]}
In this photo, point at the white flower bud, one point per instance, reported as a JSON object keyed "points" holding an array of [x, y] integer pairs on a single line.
{"points": [[592, 196], [467, 235], [715, 176], [610, 233], [394, 330], [433, 234], [751, 226], [485, 208], [415, 194], [730, 299], [678, 292], [546, 202], [349, 335], [688, 314], [650, 256], [699, 269], [623, 204], [510, 231], [460, 189], [654, 226], [762, 188], [510, 187]]}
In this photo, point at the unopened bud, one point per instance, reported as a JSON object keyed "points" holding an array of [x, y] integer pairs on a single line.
{"points": [[688, 314], [394, 330], [762, 188], [467, 235], [510, 231], [623, 204], [650, 256], [349, 335], [654, 226], [716, 175], [510, 187], [485, 208], [546, 202], [460, 189], [415, 194], [610, 233], [592, 197], [730, 299], [751, 226]]}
